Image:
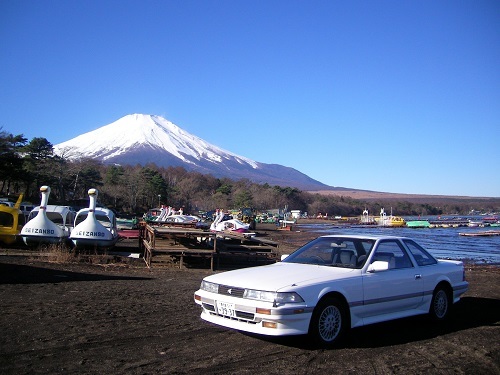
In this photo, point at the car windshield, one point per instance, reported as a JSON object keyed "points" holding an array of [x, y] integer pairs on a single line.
{"points": [[333, 252]]}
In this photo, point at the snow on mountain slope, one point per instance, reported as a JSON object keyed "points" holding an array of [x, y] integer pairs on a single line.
{"points": [[144, 131], [142, 139]]}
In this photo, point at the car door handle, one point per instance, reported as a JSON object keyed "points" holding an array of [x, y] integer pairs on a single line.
{"points": [[418, 277]]}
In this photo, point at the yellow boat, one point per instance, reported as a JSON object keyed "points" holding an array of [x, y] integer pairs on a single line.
{"points": [[396, 221], [11, 221], [389, 220]]}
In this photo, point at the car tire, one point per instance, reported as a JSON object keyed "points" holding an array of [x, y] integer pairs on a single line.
{"points": [[328, 322], [440, 304]]}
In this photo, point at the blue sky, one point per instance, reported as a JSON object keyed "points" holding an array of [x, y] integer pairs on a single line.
{"points": [[394, 96]]}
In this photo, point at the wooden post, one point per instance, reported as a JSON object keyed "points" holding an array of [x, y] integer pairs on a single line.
{"points": [[214, 253]]}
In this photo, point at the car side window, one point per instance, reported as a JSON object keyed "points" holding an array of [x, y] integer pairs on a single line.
{"points": [[422, 257], [392, 252]]}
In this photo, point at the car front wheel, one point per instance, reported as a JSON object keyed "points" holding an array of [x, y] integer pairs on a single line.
{"points": [[328, 322], [440, 304]]}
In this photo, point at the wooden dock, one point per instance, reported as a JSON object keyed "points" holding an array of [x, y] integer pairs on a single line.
{"points": [[163, 244]]}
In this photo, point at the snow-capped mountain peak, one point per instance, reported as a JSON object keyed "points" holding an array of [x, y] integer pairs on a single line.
{"points": [[144, 131], [142, 139]]}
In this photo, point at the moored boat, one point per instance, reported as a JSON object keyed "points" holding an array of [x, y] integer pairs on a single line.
{"points": [[389, 221], [48, 223], [94, 226], [475, 223], [418, 224], [487, 233], [11, 221], [366, 219], [493, 220]]}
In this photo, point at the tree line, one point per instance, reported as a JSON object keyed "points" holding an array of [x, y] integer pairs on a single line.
{"points": [[25, 166]]}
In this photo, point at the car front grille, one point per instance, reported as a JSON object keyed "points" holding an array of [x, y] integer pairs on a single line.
{"points": [[245, 315], [230, 291], [240, 316]]}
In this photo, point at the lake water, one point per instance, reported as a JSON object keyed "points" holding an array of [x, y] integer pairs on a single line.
{"points": [[444, 243]]}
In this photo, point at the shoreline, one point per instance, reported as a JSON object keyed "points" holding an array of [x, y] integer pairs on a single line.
{"points": [[288, 240]]}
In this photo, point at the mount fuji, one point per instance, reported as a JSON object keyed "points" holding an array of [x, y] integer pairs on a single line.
{"points": [[142, 139]]}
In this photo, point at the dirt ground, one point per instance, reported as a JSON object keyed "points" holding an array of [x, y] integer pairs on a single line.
{"points": [[122, 318]]}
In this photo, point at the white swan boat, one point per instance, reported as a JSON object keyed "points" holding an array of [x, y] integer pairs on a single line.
{"points": [[224, 222], [94, 226], [48, 223], [170, 217]]}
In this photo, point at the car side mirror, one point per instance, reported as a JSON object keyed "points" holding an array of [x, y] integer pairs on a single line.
{"points": [[378, 266], [284, 256]]}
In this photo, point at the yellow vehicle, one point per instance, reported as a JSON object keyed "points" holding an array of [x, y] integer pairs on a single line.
{"points": [[11, 221], [248, 217]]}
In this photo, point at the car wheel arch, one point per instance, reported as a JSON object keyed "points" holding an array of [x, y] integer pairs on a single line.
{"points": [[342, 299], [330, 320], [444, 284], [447, 288]]}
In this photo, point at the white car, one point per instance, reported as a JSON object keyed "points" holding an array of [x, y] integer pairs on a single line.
{"points": [[331, 284]]}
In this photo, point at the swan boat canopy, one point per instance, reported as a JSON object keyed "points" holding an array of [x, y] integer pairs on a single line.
{"points": [[94, 227], [48, 223], [11, 221]]}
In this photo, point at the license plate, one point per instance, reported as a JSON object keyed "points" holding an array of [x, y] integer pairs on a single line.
{"points": [[226, 309]]}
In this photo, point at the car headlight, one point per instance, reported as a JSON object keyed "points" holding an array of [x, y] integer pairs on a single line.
{"points": [[276, 297], [209, 287], [290, 297]]}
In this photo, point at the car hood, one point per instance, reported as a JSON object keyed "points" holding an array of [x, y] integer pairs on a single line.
{"points": [[279, 276]]}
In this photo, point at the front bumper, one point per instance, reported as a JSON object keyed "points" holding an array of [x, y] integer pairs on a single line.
{"points": [[256, 316]]}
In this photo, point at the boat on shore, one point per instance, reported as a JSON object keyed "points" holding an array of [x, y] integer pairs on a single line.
{"points": [[224, 222], [48, 223], [95, 227], [11, 220], [123, 223], [168, 216]]}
